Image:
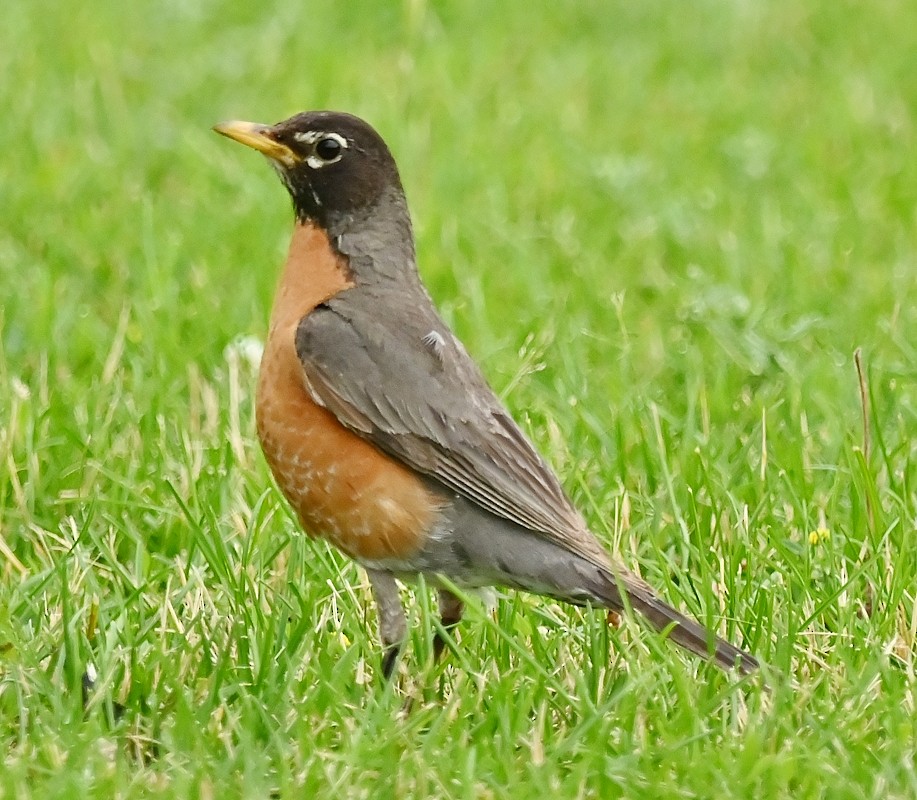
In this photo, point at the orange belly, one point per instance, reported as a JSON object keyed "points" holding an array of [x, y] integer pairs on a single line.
{"points": [[342, 487]]}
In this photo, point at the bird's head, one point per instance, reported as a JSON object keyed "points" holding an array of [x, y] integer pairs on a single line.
{"points": [[335, 166]]}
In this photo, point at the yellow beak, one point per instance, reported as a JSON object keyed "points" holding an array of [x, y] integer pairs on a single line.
{"points": [[256, 135]]}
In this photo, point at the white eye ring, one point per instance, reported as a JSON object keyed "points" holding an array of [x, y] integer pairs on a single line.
{"points": [[313, 138]]}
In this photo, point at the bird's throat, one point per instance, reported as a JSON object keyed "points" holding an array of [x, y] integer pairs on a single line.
{"points": [[314, 272]]}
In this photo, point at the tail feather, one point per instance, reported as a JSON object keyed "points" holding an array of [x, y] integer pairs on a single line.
{"points": [[682, 630]]}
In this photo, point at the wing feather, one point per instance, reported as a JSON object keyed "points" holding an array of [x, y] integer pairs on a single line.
{"points": [[431, 409]]}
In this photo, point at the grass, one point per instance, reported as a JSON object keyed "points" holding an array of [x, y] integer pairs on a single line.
{"points": [[663, 230]]}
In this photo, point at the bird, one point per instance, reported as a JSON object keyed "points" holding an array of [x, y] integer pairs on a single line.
{"points": [[380, 429]]}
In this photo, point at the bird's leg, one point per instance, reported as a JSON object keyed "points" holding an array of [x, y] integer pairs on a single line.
{"points": [[392, 623], [450, 613]]}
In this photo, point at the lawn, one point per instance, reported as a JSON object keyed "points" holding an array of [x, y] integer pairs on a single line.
{"points": [[663, 229]]}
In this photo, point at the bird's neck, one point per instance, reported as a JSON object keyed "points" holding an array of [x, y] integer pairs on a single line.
{"points": [[377, 241]]}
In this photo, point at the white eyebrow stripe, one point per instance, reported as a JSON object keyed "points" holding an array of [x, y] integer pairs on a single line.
{"points": [[311, 137]]}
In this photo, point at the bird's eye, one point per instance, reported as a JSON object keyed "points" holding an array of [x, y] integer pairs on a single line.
{"points": [[328, 149]]}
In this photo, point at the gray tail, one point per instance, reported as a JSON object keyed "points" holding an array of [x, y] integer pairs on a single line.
{"points": [[683, 631]]}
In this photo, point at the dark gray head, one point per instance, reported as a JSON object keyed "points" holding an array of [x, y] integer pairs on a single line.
{"points": [[335, 166]]}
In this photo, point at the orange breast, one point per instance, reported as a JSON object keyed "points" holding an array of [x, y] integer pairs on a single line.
{"points": [[342, 487]]}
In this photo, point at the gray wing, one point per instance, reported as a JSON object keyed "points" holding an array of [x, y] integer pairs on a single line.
{"points": [[412, 390]]}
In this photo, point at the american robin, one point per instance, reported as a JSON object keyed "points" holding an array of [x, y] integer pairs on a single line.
{"points": [[379, 428]]}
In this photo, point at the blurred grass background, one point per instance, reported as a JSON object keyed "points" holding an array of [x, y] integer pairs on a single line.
{"points": [[662, 228]]}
